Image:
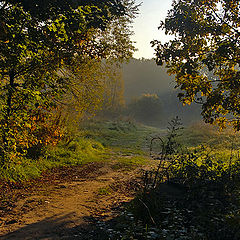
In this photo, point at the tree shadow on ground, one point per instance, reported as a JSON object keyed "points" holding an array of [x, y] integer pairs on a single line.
{"points": [[58, 227]]}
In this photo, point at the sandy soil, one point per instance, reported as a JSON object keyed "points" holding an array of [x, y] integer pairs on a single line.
{"points": [[67, 206]]}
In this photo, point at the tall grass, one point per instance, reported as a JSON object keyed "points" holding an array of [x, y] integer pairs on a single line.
{"points": [[197, 195], [94, 141], [201, 133], [80, 151]]}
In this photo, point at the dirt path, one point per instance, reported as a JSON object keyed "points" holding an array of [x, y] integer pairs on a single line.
{"points": [[65, 209]]}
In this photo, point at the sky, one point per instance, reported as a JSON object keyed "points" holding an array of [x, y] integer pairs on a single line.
{"points": [[146, 26]]}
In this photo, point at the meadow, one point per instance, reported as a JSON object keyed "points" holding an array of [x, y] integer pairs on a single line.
{"points": [[93, 141], [196, 195], [97, 140]]}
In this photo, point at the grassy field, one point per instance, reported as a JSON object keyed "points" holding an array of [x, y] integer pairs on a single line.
{"points": [[201, 199], [123, 142], [201, 133], [197, 197], [221, 145]]}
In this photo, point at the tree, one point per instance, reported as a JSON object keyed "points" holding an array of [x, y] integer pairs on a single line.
{"points": [[38, 39], [147, 109], [96, 87], [113, 98], [204, 56]]}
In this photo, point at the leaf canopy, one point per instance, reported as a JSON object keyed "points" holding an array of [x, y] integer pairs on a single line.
{"points": [[39, 39], [204, 55]]}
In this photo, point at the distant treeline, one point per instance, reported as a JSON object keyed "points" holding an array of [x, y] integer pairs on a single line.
{"points": [[142, 78]]}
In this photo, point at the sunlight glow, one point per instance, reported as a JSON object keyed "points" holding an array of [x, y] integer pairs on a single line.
{"points": [[145, 26]]}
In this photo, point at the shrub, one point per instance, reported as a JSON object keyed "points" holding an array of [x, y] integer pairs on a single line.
{"points": [[146, 109]]}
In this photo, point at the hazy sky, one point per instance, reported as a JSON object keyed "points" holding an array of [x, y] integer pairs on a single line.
{"points": [[146, 25]]}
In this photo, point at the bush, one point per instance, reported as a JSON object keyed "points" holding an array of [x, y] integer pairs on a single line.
{"points": [[193, 194], [146, 109]]}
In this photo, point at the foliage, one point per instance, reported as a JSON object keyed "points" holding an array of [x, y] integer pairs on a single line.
{"points": [[114, 90], [203, 192], [78, 152], [87, 80], [204, 56], [121, 143], [146, 109], [38, 43], [94, 88], [199, 200], [171, 146], [221, 141]]}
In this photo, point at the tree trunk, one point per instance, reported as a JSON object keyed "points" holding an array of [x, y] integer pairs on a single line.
{"points": [[7, 115]]}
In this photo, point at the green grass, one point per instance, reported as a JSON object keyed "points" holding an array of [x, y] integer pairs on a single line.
{"points": [[121, 142], [78, 152], [124, 142], [118, 134], [222, 145], [130, 162], [209, 135]]}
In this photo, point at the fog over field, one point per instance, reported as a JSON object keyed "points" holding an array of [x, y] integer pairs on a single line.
{"points": [[143, 76]]}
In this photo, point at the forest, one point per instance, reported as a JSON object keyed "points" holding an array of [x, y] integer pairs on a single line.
{"points": [[96, 144]]}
